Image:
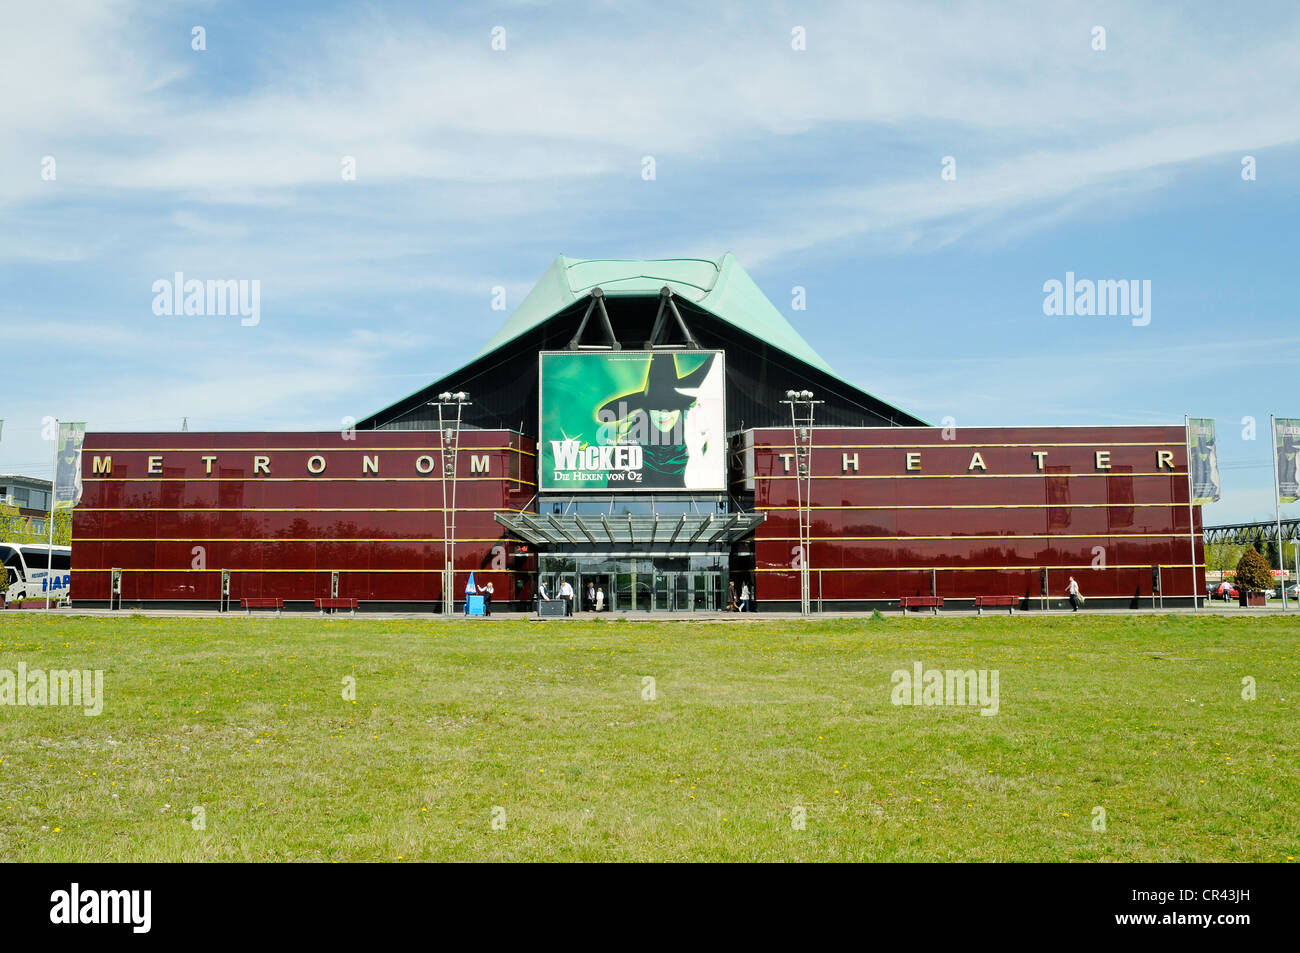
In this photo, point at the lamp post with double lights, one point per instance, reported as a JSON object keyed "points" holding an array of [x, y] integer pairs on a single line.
{"points": [[802, 407], [450, 440]]}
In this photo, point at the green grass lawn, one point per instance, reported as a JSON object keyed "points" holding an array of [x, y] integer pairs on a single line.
{"points": [[547, 728]]}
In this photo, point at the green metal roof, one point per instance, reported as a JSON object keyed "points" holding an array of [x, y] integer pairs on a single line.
{"points": [[717, 285]]}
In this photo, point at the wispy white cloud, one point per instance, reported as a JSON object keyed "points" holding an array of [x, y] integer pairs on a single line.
{"points": [[413, 102]]}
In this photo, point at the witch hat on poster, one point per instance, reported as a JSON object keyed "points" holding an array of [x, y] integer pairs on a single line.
{"points": [[663, 390]]}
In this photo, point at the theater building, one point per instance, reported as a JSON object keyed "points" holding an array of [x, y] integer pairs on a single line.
{"points": [[630, 429]]}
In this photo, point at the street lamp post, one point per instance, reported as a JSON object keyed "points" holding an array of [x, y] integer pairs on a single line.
{"points": [[802, 407], [449, 438]]}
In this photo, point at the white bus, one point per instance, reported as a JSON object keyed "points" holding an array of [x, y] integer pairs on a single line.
{"points": [[26, 572]]}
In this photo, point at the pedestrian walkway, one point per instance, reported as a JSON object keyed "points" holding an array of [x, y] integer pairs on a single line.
{"points": [[1219, 609]]}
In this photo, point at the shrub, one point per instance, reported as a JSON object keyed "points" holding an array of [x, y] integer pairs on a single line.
{"points": [[1253, 573]]}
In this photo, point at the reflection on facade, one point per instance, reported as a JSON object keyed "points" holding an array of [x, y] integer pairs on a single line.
{"points": [[979, 516]]}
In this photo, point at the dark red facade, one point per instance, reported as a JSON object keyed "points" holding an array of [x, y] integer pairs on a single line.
{"points": [[983, 512], [282, 512], [895, 511]]}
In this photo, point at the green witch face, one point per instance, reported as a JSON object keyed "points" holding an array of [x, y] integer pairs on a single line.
{"points": [[665, 420], [663, 400]]}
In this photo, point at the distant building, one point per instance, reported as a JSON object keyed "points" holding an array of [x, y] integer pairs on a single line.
{"points": [[29, 495]]}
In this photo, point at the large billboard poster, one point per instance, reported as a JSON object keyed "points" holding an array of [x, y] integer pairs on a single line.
{"points": [[635, 420]]}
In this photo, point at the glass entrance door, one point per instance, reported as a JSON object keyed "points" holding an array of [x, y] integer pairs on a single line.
{"points": [[642, 582], [706, 591], [662, 592], [636, 585], [682, 593], [596, 587], [624, 591], [701, 591]]}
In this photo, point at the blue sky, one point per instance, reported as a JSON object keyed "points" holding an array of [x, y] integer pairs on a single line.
{"points": [[817, 167]]}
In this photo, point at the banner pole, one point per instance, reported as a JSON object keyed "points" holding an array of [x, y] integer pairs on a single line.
{"points": [[1191, 515], [1277, 503], [54, 489], [1296, 544]]}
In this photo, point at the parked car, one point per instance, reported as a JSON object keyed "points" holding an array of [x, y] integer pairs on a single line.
{"points": [[1226, 591]]}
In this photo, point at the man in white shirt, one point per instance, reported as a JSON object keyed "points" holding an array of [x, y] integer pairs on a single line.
{"points": [[566, 593], [1076, 597]]}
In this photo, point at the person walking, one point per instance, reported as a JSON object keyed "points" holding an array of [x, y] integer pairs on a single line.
{"points": [[487, 597], [566, 593], [591, 596], [600, 599], [733, 604], [744, 597], [1076, 597]]}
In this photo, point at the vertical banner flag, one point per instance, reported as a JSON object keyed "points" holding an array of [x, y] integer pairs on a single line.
{"points": [[1286, 444], [67, 466], [1203, 460]]}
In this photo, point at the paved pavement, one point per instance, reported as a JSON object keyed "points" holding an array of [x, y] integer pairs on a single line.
{"points": [[1216, 609]]}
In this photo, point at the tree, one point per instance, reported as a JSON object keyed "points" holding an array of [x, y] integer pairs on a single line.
{"points": [[1253, 573], [18, 529], [1222, 557]]}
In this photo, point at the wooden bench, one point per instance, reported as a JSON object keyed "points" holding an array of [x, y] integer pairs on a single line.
{"points": [[1009, 601], [920, 602], [260, 603], [349, 604]]}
